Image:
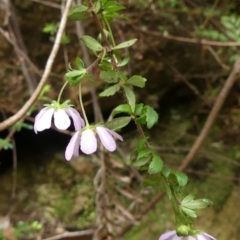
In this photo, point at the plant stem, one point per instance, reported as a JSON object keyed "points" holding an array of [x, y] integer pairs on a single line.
{"points": [[61, 91], [81, 104]]}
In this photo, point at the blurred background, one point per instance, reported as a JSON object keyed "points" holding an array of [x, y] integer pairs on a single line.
{"points": [[44, 195]]}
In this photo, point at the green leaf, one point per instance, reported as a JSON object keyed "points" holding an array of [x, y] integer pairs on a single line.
{"points": [[141, 143], [167, 189], [109, 77], [142, 161], [110, 91], [78, 12], [181, 178], [188, 198], [152, 117], [189, 212], [197, 204], [152, 180], [138, 109], [155, 165], [5, 144], [141, 120], [123, 108], [144, 153], [125, 44], [97, 6], [124, 61], [130, 97], [137, 81], [118, 123], [92, 44], [79, 63], [75, 73], [166, 172]]}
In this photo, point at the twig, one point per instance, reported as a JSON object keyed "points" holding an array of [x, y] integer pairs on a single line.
{"points": [[64, 235], [47, 3], [190, 40], [20, 114], [217, 58], [213, 114]]}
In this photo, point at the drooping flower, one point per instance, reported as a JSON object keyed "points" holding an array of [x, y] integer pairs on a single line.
{"points": [[61, 115], [87, 141], [172, 235]]}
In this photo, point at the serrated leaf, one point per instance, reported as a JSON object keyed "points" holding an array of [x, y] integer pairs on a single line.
{"points": [[155, 165], [109, 77], [117, 123], [144, 153], [92, 43], [78, 12], [197, 204], [152, 117], [188, 198], [123, 108], [130, 97], [189, 212], [142, 161], [181, 178], [125, 44], [137, 81], [110, 91]]}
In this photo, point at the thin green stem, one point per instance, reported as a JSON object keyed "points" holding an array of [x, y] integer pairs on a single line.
{"points": [[61, 91], [81, 104], [109, 29]]}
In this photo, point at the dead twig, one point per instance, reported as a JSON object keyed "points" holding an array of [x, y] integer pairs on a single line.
{"points": [[64, 235], [20, 114], [190, 40]]}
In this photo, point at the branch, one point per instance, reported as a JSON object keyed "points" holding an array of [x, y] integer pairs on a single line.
{"points": [[213, 114], [13, 119], [191, 40], [71, 235]]}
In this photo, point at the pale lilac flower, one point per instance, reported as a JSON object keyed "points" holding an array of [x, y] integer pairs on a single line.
{"points": [[87, 141], [61, 118], [172, 235]]}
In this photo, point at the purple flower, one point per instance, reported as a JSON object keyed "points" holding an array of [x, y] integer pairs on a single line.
{"points": [[87, 141], [61, 117], [172, 235]]}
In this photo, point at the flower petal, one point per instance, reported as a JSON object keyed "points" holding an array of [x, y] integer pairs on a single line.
{"points": [[168, 235], [43, 119], [114, 134], [88, 143], [106, 138], [192, 238], [61, 119], [72, 146], [209, 236], [77, 120]]}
